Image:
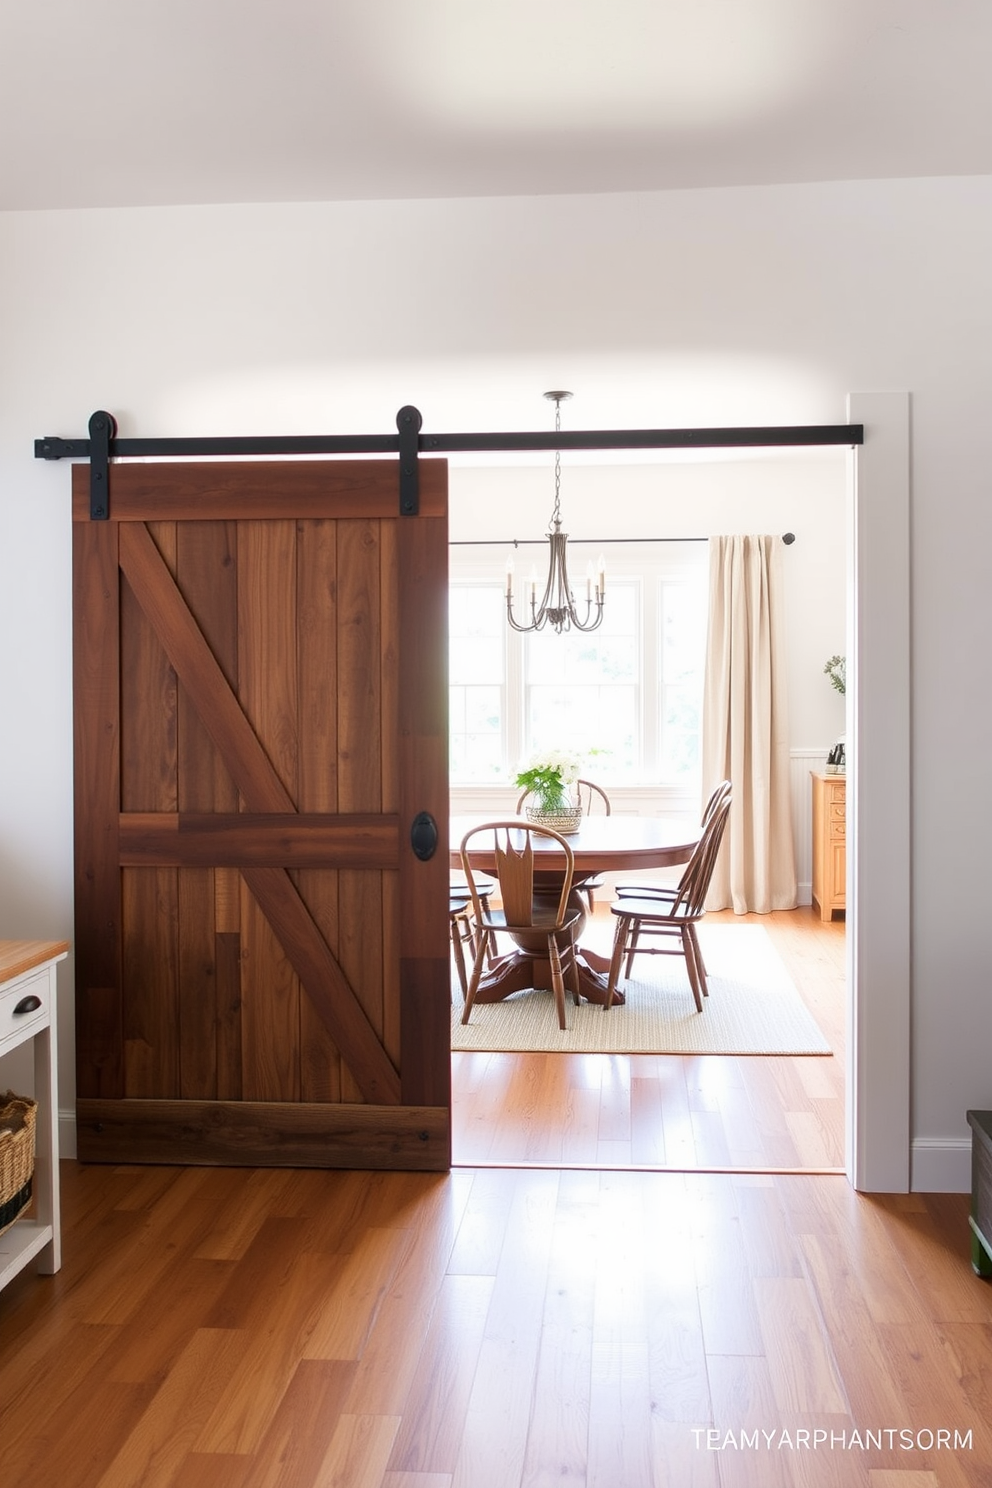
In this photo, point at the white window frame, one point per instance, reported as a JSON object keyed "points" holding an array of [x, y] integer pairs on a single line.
{"points": [[649, 564]]}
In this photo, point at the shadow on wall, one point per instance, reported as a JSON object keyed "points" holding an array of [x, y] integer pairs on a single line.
{"points": [[27, 902]]}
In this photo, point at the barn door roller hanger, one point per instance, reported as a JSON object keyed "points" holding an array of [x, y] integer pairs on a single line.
{"points": [[408, 443]]}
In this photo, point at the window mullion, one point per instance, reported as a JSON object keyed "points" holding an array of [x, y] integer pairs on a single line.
{"points": [[649, 689], [515, 701]]}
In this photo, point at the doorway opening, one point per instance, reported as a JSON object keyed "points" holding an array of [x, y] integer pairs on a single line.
{"points": [[691, 1112]]}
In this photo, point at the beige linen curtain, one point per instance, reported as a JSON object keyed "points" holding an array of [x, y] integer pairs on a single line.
{"points": [[745, 725]]}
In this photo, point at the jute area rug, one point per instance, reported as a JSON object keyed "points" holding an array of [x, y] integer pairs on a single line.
{"points": [[753, 1008]]}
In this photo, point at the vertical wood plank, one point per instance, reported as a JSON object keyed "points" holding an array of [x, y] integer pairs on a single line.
{"points": [[317, 618], [320, 1060], [392, 1000], [317, 622], [360, 953], [227, 901], [230, 1084], [358, 667], [198, 989], [97, 802], [206, 572], [267, 687], [270, 1007], [150, 951], [227, 952], [389, 671], [267, 661], [425, 1062], [207, 575], [391, 620], [148, 714], [359, 750], [149, 782]]}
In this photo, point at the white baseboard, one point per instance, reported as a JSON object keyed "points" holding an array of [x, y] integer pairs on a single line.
{"points": [[940, 1165], [67, 1134]]}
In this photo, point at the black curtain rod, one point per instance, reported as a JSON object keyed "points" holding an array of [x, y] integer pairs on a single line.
{"points": [[408, 442], [593, 542]]}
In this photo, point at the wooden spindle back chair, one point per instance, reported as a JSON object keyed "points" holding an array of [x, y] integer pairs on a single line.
{"points": [[540, 926], [461, 924], [672, 912]]}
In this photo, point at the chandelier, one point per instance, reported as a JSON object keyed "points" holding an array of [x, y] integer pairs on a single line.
{"points": [[557, 607]]}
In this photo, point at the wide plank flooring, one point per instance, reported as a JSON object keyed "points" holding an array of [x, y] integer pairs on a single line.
{"points": [[671, 1111], [492, 1328]]}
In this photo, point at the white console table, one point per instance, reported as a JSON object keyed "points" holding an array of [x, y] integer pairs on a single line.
{"points": [[28, 1012]]}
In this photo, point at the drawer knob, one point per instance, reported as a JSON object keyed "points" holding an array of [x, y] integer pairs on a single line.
{"points": [[28, 1005]]}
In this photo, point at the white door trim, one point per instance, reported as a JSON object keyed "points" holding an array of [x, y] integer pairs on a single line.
{"points": [[878, 796]]}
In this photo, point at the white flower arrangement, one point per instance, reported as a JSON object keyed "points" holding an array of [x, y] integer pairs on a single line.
{"points": [[548, 774]]}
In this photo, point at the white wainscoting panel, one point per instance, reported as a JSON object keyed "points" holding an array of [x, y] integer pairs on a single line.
{"points": [[801, 762]]}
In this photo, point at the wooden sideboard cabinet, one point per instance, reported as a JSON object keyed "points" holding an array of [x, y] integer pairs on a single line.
{"points": [[28, 1012], [829, 842]]}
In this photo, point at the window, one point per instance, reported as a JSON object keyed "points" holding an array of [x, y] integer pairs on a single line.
{"points": [[629, 694], [477, 682], [582, 690]]}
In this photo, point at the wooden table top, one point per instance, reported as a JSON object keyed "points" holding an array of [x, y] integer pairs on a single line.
{"points": [[17, 956], [603, 844]]}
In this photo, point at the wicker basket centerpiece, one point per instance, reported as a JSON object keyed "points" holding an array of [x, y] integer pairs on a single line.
{"points": [[17, 1124], [561, 819], [549, 780]]}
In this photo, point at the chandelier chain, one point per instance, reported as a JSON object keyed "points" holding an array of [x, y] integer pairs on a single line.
{"points": [[557, 606], [556, 514]]}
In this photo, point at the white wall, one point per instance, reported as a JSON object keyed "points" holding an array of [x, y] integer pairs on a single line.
{"points": [[720, 306]]}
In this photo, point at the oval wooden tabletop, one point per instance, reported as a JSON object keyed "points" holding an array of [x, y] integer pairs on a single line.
{"points": [[603, 844]]}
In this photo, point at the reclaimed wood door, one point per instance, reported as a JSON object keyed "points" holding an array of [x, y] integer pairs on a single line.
{"points": [[260, 715]]}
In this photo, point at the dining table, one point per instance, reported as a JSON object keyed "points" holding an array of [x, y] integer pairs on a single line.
{"points": [[603, 844]]}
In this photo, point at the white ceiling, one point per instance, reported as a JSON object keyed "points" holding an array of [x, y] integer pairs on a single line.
{"points": [[130, 102]]}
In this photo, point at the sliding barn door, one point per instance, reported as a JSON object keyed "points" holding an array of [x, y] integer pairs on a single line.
{"points": [[260, 716]]}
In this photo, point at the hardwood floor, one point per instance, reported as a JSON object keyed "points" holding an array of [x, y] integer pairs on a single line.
{"points": [[493, 1328], [671, 1111], [520, 1326]]}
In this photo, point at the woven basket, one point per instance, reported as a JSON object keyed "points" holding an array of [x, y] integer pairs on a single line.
{"points": [[17, 1123], [565, 821]]}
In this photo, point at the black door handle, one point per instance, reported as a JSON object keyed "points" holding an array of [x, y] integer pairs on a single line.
{"points": [[29, 1004], [423, 836]]}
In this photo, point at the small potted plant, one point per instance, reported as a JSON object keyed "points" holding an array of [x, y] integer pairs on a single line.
{"points": [[836, 669], [547, 778]]}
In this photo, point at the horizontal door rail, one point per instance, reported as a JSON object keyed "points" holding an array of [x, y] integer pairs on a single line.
{"points": [[271, 840], [408, 442]]}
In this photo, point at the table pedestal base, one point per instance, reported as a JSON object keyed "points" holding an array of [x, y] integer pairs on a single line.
{"points": [[516, 972]]}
